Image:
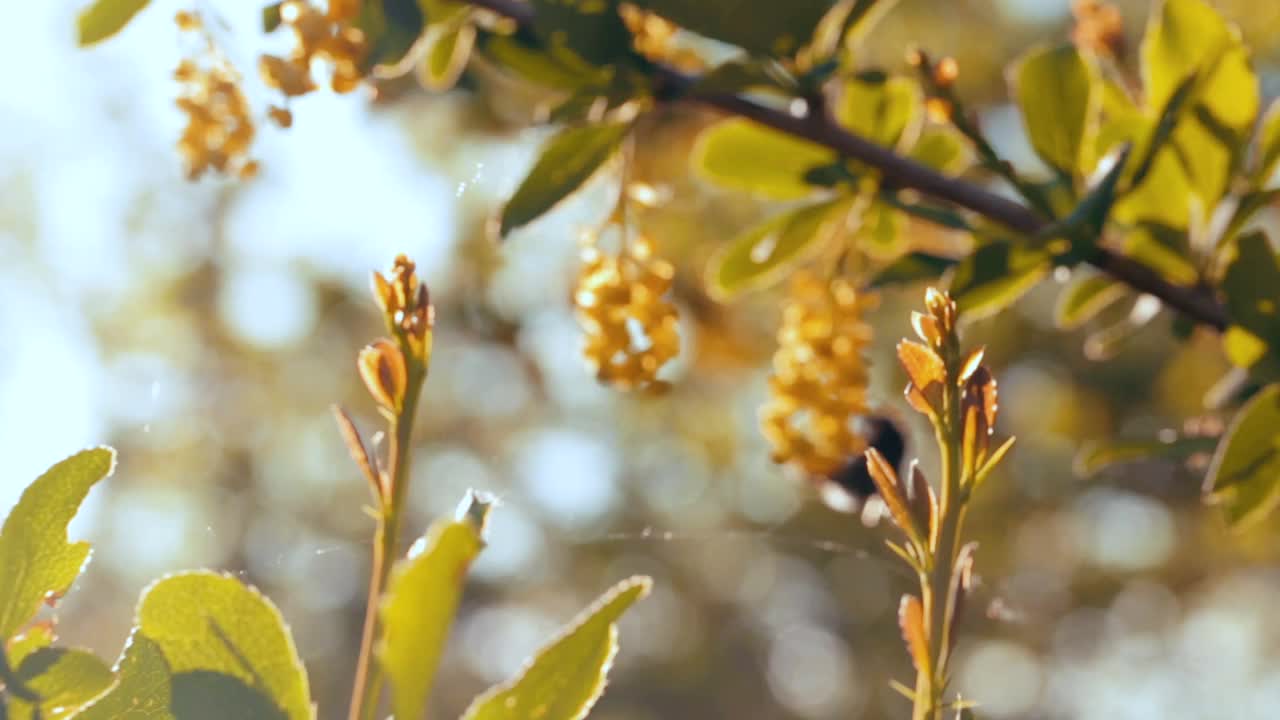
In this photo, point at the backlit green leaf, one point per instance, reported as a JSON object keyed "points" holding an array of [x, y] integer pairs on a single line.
{"points": [[1055, 92], [742, 155], [445, 55], [63, 679], [1244, 477], [1267, 146], [142, 690], [882, 232], [768, 28], [551, 68], [33, 638], [566, 162], [1252, 286], [1098, 456], [995, 275], [227, 646], [105, 18], [422, 597], [942, 148], [1084, 297], [35, 558], [885, 110], [1181, 37], [763, 254], [1162, 249], [564, 679]]}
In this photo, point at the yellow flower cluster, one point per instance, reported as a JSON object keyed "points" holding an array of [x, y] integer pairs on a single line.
{"points": [[654, 38], [819, 382], [220, 129], [328, 36], [631, 328]]}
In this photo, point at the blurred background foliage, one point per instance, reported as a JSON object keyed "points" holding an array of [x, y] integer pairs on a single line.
{"points": [[204, 329]]}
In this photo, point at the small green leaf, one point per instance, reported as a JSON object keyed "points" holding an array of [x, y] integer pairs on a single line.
{"points": [[227, 646], [142, 690], [1252, 286], [913, 267], [390, 27], [995, 275], [764, 253], [1055, 92], [885, 110], [1180, 37], [564, 679], [446, 52], [942, 148], [271, 17], [1244, 477], [1084, 297], [33, 638], [742, 155], [882, 232], [1267, 147], [1242, 348], [63, 679], [105, 18], [35, 558], [566, 162], [769, 28], [1098, 456], [421, 600]]}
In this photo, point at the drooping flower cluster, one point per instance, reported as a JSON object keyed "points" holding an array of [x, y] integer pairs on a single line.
{"points": [[220, 128], [631, 328], [819, 384], [320, 35]]}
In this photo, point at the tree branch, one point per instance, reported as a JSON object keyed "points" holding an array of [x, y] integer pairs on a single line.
{"points": [[903, 172]]}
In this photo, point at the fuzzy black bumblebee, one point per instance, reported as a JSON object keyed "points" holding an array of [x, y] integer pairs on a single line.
{"points": [[884, 435]]}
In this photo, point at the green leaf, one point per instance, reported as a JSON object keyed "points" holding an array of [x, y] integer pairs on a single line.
{"points": [[566, 162], [742, 155], [1250, 204], [1055, 92], [33, 638], [551, 68], [1267, 146], [390, 27], [1098, 456], [227, 646], [1162, 249], [942, 148], [882, 232], [1084, 297], [912, 267], [63, 679], [35, 558], [885, 110], [995, 275], [1244, 477], [271, 17], [422, 598], [142, 690], [763, 254], [747, 74], [1182, 37], [761, 28], [1252, 286], [447, 48], [105, 18], [564, 679], [591, 28]]}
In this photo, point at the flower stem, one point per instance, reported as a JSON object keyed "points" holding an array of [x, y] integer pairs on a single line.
{"points": [[367, 690]]}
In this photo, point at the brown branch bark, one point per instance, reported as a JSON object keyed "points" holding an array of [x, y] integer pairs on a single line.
{"points": [[1196, 303]]}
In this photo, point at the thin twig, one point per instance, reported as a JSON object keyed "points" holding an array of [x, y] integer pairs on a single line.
{"points": [[903, 172]]}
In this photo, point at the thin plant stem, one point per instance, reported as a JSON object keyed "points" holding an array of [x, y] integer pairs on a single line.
{"points": [[367, 691]]}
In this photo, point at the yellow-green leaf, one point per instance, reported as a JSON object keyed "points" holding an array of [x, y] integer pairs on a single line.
{"points": [[1267, 146], [763, 254], [1181, 37], [63, 679], [448, 48], [142, 690], [760, 28], [1244, 477], [742, 155], [227, 646], [942, 148], [1055, 92], [882, 232], [995, 275], [1155, 247], [566, 677], [422, 597], [1084, 297], [566, 162], [105, 18], [887, 111], [1252, 287], [33, 638], [35, 558]]}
